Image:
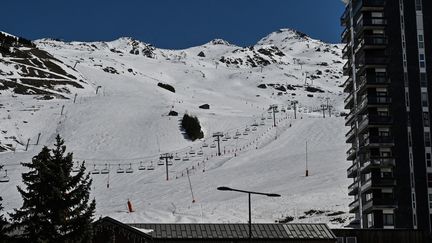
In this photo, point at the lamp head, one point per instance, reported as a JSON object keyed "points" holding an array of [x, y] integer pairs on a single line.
{"points": [[224, 188]]}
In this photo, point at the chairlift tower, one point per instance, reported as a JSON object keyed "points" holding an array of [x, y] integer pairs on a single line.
{"points": [[217, 136], [166, 157]]}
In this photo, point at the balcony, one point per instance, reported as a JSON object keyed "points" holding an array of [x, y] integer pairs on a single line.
{"points": [[378, 162], [376, 120], [369, 23], [372, 80], [363, 124], [378, 183], [379, 204], [353, 206], [349, 118], [379, 141], [351, 153], [352, 170], [346, 52], [347, 68], [345, 16], [348, 85], [371, 42], [378, 100], [368, 5], [353, 188], [349, 101], [350, 135], [345, 36]]}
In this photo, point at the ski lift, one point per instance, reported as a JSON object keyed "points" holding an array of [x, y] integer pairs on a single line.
{"points": [[245, 133], [120, 170], [76, 168], [186, 158], [129, 170], [262, 123], [177, 158], [105, 170], [170, 163], [269, 117], [254, 129], [227, 136], [141, 166], [95, 171], [191, 151], [204, 145], [236, 137], [200, 152], [255, 124], [150, 167], [224, 139], [237, 133], [262, 118], [160, 162], [4, 178], [213, 145], [247, 129], [283, 110]]}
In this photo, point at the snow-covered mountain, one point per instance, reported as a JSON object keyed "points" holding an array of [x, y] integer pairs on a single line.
{"points": [[104, 99]]}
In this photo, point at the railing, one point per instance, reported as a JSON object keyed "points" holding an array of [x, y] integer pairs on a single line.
{"points": [[379, 202], [376, 119], [377, 162], [350, 132], [353, 186], [363, 123], [379, 99], [348, 98], [378, 139], [353, 205], [367, 3], [350, 152], [352, 169]]}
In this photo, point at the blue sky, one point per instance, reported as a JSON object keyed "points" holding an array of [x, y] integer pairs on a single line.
{"points": [[170, 23]]}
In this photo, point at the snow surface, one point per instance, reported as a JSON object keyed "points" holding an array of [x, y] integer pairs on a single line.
{"points": [[126, 125]]}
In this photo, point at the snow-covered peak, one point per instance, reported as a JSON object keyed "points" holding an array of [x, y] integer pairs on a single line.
{"points": [[7, 34], [220, 42], [283, 36]]}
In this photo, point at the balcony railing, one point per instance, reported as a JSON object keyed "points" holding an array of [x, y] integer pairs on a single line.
{"points": [[372, 79], [350, 153], [363, 4], [352, 170], [379, 203], [353, 206], [377, 163], [378, 100], [345, 16], [353, 188], [378, 140], [380, 120]]}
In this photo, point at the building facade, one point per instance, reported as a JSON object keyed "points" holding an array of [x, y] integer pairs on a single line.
{"points": [[389, 56]]}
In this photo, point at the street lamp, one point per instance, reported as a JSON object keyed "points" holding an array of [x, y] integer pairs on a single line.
{"points": [[224, 188]]}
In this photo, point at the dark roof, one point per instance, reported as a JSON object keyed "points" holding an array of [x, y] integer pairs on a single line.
{"points": [[238, 231], [110, 222]]}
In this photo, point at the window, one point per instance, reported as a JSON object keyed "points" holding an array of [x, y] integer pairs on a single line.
{"points": [[418, 4], [421, 41], [423, 80], [426, 119], [388, 219], [351, 240], [370, 221], [339, 239], [424, 99], [422, 60], [428, 160], [429, 179], [368, 197], [427, 139]]}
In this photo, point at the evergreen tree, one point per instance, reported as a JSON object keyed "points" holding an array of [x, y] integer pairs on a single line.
{"points": [[56, 204]]}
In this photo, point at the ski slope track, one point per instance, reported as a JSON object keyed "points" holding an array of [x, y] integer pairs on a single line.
{"points": [[116, 120]]}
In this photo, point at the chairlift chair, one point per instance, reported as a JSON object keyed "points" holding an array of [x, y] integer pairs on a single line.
{"points": [[247, 129], [204, 145], [170, 163], [185, 158], [141, 166], [4, 178], [160, 162], [129, 170], [213, 145], [254, 129], [227, 136], [262, 123], [245, 133], [95, 171], [150, 167], [177, 158], [237, 133], [105, 170], [191, 151], [120, 170], [200, 152]]}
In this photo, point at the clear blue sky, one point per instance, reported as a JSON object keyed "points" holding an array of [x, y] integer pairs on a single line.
{"points": [[170, 23]]}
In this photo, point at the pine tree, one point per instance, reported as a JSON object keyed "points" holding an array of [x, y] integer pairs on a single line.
{"points": [[56, 204]]}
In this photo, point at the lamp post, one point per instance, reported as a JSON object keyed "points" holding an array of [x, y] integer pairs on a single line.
{"points": [[224, 188]]}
